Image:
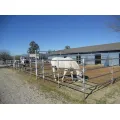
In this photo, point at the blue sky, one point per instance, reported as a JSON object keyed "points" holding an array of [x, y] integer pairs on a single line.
{"points": [[54, 32]]}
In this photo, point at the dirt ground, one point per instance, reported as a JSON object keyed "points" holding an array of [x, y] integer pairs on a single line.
{"points": [[14, 89], [97, 74]]}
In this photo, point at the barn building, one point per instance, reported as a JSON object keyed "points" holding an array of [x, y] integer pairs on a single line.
{"points": [[98, 54]]}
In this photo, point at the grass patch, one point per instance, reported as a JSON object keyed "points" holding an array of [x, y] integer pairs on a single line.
{"points": [[101, 101]]}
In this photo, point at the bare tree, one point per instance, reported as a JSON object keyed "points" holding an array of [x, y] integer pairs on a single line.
{"points": [[5, 55]]}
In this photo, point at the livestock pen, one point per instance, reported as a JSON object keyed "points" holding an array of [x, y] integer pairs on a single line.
{"points": [[95, 77]]}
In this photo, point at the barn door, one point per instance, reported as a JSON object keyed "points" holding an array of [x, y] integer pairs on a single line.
{"points": [[98, 59]]}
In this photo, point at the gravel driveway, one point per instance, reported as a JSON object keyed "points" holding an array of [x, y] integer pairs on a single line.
{"points": [[14, 90]]}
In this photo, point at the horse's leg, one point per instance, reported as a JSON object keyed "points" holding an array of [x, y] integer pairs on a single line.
{"points": [[71, 72], [65, 71], [53, 68]]}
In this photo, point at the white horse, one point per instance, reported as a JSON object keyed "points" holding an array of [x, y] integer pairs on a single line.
{"points": [[67, 64], [24, 61]]}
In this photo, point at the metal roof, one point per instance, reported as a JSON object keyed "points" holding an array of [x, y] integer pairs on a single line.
{"points": [[88, 49]]}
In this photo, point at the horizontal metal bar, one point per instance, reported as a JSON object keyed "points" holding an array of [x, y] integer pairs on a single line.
{"points": [[89, 69], [116, 71], [99, 76], [116, 64]]}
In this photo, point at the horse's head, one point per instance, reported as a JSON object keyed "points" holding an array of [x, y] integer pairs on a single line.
{"points": [[79, 75]]}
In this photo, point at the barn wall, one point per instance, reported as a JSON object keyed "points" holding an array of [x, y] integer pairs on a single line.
{"points": [[90, 58], [115, 57], [72, 56], [105, 58]]}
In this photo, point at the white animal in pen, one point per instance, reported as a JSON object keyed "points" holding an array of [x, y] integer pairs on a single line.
{"points": [[24, 61], [66, 64]]}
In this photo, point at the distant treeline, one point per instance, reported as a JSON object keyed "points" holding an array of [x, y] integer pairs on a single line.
{"points": [[5, 55]]}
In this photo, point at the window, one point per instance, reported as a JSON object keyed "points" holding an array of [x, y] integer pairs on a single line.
{"points": [[78, 59]]}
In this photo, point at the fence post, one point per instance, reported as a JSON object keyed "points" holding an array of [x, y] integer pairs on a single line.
{"points": [[18, 64], [112, 72], [78, 60], [7, 62], [84, 77], [43, 69], [58, 74], [30, 67], [36, 64], [14, 62]]}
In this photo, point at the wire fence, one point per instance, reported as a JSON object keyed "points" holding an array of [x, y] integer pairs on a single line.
{"points": [[42, 69]]}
